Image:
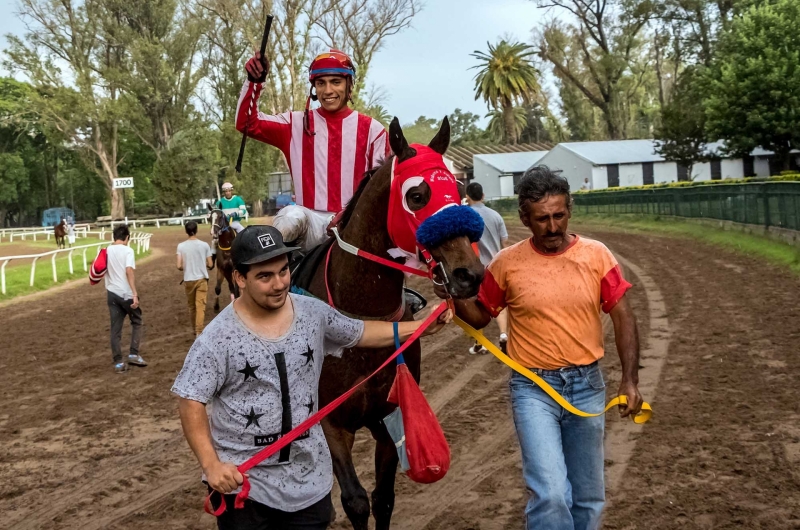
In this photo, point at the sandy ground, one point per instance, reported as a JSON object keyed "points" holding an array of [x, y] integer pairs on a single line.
{"points": [[83, 448]]}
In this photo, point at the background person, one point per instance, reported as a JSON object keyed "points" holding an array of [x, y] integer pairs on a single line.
{"points": [[233, 206], [123, 299], [195, 260], [328, 150], [265, 343], [493, 240], [554, 286]]}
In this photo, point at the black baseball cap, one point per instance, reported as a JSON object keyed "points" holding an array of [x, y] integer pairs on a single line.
{"points": [[258, 243]]}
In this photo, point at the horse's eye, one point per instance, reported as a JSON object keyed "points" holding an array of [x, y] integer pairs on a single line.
{"points": [[416, 197]]}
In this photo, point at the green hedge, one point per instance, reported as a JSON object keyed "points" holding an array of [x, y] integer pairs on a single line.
{"points": [[786, 176]]}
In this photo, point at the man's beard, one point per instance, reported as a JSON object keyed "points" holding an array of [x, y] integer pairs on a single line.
{"points": [[267, 306]]}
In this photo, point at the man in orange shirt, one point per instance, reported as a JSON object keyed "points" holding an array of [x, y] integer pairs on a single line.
{"points": [[554, 286]]}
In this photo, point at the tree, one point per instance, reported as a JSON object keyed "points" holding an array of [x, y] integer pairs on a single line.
{"points": [[506, 78], [682, 133], [754, 91], [83, 105], [421, 131], [186, 170], [596, 51], [498, 126], [464, 129], [360, 27]]}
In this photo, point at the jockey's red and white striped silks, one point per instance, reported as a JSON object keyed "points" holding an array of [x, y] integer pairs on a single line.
{"points": [[326, 167]]}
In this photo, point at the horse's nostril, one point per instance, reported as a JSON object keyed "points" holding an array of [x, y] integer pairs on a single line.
{"points": [[466, 276]]}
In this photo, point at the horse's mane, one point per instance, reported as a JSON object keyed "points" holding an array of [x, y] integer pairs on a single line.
{"points": [[351, 205]]}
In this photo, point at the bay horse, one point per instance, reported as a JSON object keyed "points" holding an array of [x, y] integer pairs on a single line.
{"points": [[223, 235], [60, 231], [373, 291]]}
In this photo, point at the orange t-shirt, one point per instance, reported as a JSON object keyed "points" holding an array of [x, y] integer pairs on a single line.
{"points": [[554, 301]]}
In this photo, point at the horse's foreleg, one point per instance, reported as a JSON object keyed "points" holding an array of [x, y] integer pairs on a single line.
{"points": [[354, 497], [217, 290], [386, 460]]}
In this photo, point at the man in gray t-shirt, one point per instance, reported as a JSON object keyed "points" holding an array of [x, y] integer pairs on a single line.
{"points": [[194, 259], [257, 365], [493, 240]]}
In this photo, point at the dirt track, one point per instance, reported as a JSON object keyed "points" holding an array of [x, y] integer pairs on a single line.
{"points": [[84, 448]]}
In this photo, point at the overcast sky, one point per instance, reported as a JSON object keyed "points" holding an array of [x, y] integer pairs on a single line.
{"points": [[424, 70]]}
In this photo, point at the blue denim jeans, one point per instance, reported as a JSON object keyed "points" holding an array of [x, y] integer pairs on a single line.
{"points": [[562, 454]]}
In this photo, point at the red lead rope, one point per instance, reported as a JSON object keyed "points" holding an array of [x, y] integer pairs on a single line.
{"points": [[310, 422]]}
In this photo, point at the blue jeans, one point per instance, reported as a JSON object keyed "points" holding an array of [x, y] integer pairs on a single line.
{"points": [[562, 454]]}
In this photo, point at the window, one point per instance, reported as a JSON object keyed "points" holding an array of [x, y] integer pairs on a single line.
{"points": [[683, 173], [613, 175], [749, 166], [716, 169], [647, 173]]}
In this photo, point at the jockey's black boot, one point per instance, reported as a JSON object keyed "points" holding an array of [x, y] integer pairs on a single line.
{"points": [[413, 300]]}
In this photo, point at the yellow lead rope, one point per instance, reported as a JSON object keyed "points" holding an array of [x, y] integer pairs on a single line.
{"points": [[643, 416]]}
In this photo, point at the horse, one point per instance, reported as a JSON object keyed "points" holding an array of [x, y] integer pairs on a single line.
{"points": [[223, 235], [60, 231], [373, 291]]}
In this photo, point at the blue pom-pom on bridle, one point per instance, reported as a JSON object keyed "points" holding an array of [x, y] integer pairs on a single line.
{"points": [[450, 223]]}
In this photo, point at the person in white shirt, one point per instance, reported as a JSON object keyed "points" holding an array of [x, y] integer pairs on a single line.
{"points": [[586, 186], [194, 259], [494, 239], [123, 299]]}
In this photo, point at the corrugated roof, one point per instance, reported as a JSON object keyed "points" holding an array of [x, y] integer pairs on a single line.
{"points": [[512, 162], [462, 156], [615, 151]]}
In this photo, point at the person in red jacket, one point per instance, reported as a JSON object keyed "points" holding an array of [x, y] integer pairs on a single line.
{"points": [[328, 149]]}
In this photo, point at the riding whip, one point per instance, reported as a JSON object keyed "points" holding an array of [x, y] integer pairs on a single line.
{"points": [[264, 38]]}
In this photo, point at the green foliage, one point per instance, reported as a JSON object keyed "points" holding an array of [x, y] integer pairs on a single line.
{"points": [[421, 131], [754, 85], [464, 129], [506, 77], [497, 126], [784, 177], [682, 133], [185, 171]]}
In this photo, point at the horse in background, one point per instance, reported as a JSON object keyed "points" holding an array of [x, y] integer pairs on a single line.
{"points": [[223, 235], [60, 231]]}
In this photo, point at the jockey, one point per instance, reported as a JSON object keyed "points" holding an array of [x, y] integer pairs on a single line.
{"points": [[328, 150], [232, 206]]}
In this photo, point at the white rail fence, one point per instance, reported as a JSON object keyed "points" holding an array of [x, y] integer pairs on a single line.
{"points": [[140, 242], [46, 232], [135, 223]]}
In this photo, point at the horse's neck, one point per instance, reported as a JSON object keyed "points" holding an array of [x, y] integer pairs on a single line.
{"points": [[360, 286]]}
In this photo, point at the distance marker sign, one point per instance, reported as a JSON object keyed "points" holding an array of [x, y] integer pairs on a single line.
{"points": [[126, 182]]}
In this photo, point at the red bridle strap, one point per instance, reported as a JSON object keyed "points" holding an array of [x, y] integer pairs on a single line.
{"points": [[347, 247]]}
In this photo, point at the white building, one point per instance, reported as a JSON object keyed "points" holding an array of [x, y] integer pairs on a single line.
{"points": [[622, 163], [499, 173]]}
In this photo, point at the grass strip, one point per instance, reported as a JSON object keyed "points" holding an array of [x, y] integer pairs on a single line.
{"points": [[775, 252]]}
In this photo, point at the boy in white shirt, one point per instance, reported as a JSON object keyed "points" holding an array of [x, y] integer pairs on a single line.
{"points": [[123, 299]]}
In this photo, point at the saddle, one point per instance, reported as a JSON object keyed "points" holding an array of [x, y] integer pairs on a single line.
{"points": [[304, 266]]}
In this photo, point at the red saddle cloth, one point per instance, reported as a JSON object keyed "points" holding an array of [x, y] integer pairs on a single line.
{"points": [[426, 447], [99, 267]]}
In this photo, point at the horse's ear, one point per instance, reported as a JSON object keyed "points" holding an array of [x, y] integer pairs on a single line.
{"points": [[397, 141], [210, 208], [441, 141]]}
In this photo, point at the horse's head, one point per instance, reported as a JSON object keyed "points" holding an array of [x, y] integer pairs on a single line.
{"points": [[425, 211], [220, 227]]}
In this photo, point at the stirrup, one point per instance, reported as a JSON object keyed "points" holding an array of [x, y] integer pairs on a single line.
{"points": [[413, 300]]}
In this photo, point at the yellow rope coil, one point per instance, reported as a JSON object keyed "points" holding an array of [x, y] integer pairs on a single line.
{"points": [[643, 416]]}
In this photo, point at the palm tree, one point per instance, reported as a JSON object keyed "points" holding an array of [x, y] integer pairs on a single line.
{"points": [[497, 127], [506, 78]]}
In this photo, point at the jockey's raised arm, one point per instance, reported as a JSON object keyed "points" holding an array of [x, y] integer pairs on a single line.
{"points": [[327, 149]]}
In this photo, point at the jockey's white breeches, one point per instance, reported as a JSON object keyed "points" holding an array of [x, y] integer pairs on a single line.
{"points": [[307, 227], [237, 226]]}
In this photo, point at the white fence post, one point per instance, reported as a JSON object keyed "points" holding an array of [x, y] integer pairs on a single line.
{"points": [[53, 262], [85, 267], [3, 275], [33, 269], [71, 268]]}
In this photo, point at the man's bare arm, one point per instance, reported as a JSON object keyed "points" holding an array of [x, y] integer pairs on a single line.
{"points": [[221, 476], [626, 335], [209, 263], [381, 334], [180, 262], [129, 273]]}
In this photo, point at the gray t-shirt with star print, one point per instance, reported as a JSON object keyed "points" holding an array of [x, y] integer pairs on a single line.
{"points": [[246, 379]]}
